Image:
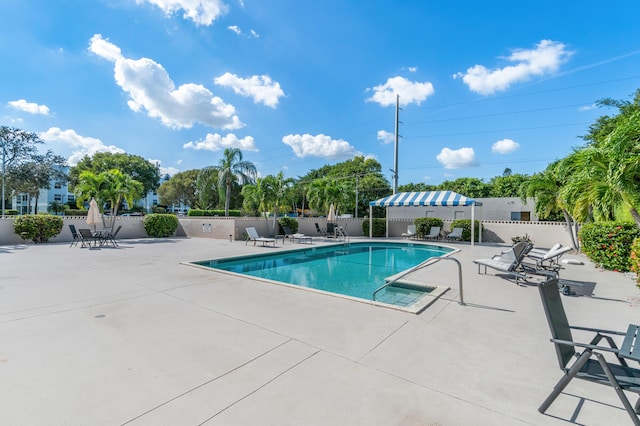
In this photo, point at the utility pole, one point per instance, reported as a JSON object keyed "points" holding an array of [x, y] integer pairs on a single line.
{"points": [[3, 172], [395, 151]]}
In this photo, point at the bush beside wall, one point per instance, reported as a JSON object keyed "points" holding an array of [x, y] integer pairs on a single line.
{"points": [[160, 225], [424, 224], [379, 227], [198, 212], [37, 227], [608, 244], [465, 224]]}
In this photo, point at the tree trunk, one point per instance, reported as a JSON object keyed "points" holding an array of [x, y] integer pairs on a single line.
{"points": [[570, 229], [635, 215], [227, 199]]}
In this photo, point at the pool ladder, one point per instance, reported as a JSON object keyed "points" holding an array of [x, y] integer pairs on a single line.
{"points": [[426, 263], [341, 233]]}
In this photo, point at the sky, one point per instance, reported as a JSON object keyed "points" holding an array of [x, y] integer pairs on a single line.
{"points": [[299, 84]]}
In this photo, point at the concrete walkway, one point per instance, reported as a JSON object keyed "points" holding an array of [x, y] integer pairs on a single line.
{"points": [[132, 336]]}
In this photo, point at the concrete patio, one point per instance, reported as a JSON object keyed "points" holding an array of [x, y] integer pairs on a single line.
{"points": [[131, 336]]}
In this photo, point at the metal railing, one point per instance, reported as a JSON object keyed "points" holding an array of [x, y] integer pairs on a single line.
{"points": [[426, 263]]}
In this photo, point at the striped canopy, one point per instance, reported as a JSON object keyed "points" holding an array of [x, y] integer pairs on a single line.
{"points": [[430, 198]]}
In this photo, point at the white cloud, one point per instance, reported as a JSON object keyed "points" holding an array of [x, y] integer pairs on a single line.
{"points": [[236, 29], [322, 146], [151, 89], [409, 91], [544, 59], [202, 12], [164, 170], [454, 159], [260, 87], [504, 146], [216, 142], [80, 145], [386, 137], [30, 107], [588, 107]]}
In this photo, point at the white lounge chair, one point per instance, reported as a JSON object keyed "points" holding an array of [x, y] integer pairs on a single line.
{"points": [[411, 232], [547, 259], [455, 234], [252, 235], [508, 262], [434, 233]]}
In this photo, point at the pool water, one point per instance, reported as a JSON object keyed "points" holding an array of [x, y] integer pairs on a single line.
{"points": [[356, 269]]}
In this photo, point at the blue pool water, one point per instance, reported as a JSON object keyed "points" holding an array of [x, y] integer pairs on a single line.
{"points": [[357, 269]]}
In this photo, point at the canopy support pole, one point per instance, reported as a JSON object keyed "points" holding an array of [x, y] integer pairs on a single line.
{"points": [[473, 222]]}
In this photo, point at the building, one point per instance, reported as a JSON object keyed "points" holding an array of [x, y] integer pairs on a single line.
{"points": [[508, 208]]}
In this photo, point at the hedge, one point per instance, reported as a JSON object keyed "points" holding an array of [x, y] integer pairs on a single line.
{"points": [[379, 227], [291, 222], [37, 227], [198, 212], [465, 224], [160, 225], [608, 244], [424, 224]]}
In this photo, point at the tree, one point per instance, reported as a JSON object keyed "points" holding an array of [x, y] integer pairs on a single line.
{"points": [[507, 185], [546, 188], [360, 180], [469, 187], [180, 189], [279, 188], [31, 176], [111, 187], [135, 166], [233, 170], [417, 187], [16, 148], [324, 192], [207, 188], [605, 174]]}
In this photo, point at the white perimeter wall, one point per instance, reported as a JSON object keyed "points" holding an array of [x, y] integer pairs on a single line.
{"points": [[543, 234]]}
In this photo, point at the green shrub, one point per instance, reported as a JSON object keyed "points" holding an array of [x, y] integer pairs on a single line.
{"points": [[75, 212], [379, 227], [424, 224], [11, 212], [465, 224], [160, 225], [198, 212], [519, 239], [159, 210], [291, 222], [37, 228], [608, 244]]}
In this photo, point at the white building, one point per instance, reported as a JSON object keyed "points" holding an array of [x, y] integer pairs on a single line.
{"points": [[508, 208]]}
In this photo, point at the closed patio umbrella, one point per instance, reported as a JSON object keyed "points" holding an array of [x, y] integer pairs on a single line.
{"points": [[93, 215], [331, 216]]}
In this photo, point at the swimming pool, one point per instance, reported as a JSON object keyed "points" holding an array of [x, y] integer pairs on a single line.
{"points": [[354, 270]]}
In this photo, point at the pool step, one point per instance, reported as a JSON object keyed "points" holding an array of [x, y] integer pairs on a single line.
{"points": [[403, 293]]}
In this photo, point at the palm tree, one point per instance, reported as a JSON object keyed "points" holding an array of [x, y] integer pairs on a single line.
{"points": [[89, 186], [546, 188], [279, 187], [206, 188], [232, 169]]}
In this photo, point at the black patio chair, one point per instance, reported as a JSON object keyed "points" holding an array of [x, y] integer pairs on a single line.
{"points": [[616, 374], [320, 231], [77, 238]]}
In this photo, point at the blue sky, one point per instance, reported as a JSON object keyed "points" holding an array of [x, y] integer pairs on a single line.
{"points": [[299, 84]]}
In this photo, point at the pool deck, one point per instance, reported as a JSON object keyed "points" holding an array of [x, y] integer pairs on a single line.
{"points": [[131, 336]]}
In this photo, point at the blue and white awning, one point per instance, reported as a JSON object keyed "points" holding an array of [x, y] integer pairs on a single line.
{"points": [[429, 198]]}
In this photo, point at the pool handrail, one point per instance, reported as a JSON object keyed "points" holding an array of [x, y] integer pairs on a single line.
{"points": [[428, 262]]}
